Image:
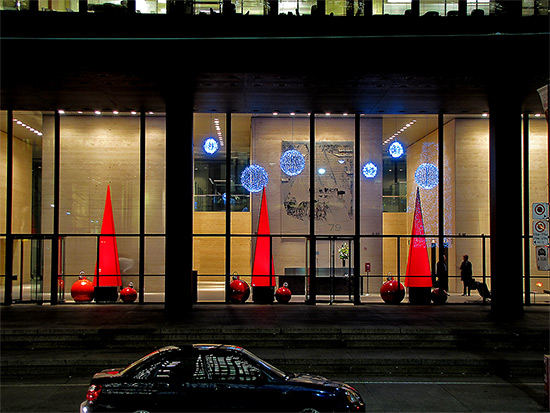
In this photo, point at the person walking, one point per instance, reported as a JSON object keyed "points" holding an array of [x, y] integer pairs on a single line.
{"points": [[466, 274]]}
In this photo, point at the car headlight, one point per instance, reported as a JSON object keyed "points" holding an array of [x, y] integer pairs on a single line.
{"points": [[352, 397]]}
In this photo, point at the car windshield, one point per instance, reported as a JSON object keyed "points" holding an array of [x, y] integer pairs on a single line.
{"points": [[264, 363], [139, 362]]}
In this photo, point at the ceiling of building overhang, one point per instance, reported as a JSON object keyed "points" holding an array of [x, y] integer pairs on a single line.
{"points": [[262, 93]]}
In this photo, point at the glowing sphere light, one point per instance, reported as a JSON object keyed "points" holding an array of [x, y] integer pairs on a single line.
{"points": [[292, 162], [427, 176], [396, 150], [254, 178], [369, 170], [211, 146]]}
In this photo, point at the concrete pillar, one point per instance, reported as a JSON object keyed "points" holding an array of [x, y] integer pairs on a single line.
{"points": [[506, 203], [178, 278]]}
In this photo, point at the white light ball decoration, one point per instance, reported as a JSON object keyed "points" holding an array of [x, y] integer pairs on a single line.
{"points": [[396, 150], [211, 146], [427, 176], [292, 162], [254, 178], [369, 170]]}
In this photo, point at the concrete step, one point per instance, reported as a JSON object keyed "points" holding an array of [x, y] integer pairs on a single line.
{"points": [[292, 337], [334, 362]]}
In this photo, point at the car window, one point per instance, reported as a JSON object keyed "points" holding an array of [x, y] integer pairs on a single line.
{"points": [[231, 367], [189, 368]]}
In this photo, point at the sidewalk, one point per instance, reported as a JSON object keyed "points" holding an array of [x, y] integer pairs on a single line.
{"points": [[375, 339], [279, 316]]}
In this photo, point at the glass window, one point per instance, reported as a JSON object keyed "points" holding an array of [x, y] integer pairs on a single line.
{"points": [[58, 5], [3, 169], [182, 369]]}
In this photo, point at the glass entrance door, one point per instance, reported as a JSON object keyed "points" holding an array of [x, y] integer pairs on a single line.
{"points": [[334, 275], [27, 270]]}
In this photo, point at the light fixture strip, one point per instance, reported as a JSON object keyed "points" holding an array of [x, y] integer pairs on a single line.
{"points": [[403, 129]]}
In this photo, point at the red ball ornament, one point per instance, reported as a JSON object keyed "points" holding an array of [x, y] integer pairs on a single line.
{"points": [[128, 294], [283, 294], [392, 292], [82, 290], [239, 291], [439, 296]]}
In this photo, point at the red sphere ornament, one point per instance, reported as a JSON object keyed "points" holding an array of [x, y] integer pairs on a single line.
{"points": [[128, 294], [439, 296], [82, 290], [283, 294], [392, 292], [239, 291]]}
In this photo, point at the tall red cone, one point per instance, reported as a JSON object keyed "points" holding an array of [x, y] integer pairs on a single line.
{"points": [[418, 266], [109, 266], [262, 253]]}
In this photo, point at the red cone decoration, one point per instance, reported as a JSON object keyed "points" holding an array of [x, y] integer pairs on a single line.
{"points": [[109, 266], [262, 265], [418, 266]]}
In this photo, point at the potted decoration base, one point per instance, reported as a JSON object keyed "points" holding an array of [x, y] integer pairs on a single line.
{"points": [[106, 294], [420, 295], [263, 295]]}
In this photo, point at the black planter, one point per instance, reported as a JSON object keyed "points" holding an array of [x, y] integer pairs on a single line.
{"points": [[420, 295], [263, 295], [106, 294]]}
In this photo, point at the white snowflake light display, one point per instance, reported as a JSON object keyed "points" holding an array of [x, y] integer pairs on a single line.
{"points": [[292, 162], [396, 150], [211, 146], [427, 176], [254, 178], [369, 170]]}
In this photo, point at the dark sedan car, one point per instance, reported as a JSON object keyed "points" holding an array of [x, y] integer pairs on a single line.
{"points": [[213, 378]]}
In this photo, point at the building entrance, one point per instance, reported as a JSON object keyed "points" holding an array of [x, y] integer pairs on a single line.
{"points": [[334, 269]]}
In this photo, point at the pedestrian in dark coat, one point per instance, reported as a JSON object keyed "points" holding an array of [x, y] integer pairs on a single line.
{"points": [[466, 274]]}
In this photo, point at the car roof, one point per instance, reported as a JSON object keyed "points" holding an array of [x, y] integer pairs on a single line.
{"points": [[200, 347]]}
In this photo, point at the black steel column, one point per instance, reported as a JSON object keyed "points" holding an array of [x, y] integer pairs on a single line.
{"points": [[142, 166], [505, 202], [415, 8], [55, 237], [463, 8], [444, 281], [227, 206], [8, 281], [312, 238], [357, 237], [178, 279], [526, 209], [367, 4]]}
